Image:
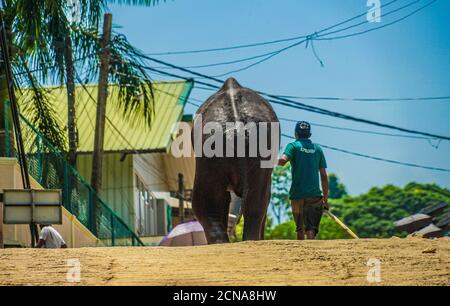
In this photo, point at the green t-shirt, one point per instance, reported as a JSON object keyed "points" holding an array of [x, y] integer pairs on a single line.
{"points": [[306, 159]]}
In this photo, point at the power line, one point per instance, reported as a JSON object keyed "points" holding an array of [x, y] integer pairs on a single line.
{"points": [[193, 100], [367, 21], [316, 36], [430, 141], [306, 38], [309, 39], [55, 66], [368, 99], [285, 101], [243, 46], [334, 148], [344, 99], [284, 135], [298, 105], [357, 130], [380, 27], [377, 158], [152, 168], [246, 59], [350, 129], [364, 155], [276, 52]]}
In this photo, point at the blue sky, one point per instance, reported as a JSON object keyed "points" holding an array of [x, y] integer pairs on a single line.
{"points": [[408, 59]]}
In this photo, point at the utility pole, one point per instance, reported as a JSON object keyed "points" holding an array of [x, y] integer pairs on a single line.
{"points": [[70, 83], [15, 116], [181, 197], [96, 178], [6, 121]]}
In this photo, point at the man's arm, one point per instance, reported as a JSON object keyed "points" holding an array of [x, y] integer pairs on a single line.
{"points": [[40, 243], [283, 160], [324, 181], [42, 237]]}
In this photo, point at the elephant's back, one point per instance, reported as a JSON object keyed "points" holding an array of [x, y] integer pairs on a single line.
{"points": [[234, 103]]}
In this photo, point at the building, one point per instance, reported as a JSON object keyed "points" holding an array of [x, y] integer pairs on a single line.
{"points": [[140, 175], [431, 222]]}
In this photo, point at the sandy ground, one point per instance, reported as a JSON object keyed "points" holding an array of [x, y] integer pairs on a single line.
{"points": [[411, 261]]}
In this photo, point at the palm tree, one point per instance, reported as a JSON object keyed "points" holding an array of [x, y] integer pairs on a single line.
{"points": [[50, 41]]}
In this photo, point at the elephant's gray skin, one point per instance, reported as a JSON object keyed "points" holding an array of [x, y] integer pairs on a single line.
{"points": [[216, 176]]}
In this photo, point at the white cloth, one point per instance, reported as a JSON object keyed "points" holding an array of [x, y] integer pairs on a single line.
{"points": [[53, 239]]}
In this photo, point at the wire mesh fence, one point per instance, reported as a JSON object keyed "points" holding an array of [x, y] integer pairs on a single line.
{"points": [[48, 166]]}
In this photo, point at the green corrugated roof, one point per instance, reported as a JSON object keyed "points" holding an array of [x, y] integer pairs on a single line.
{"points": [[120, 134]]}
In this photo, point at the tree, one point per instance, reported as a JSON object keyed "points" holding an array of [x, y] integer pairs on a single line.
{"points": [[283, 231], [50, 41], [240, 229], [279, 201], [372, 215], [337, 190]]}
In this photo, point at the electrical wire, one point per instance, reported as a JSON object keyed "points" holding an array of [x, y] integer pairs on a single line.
{"points": [[380, 27], [367, 99], [309, 39], [436, 146], [285, 101], [318, 37], [325, 146], [243, 46], [152, 168], [343, 99], [377, 158], [357, 130]]}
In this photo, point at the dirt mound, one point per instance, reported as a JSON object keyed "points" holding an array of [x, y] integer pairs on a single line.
{"points": [[338, 262]]}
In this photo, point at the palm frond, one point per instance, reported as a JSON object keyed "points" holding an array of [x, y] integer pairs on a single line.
{"points": [[136, 96], [39, 110], [86, 43]]}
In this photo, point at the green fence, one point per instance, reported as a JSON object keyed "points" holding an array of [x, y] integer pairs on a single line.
{"points": [[48, 166]]}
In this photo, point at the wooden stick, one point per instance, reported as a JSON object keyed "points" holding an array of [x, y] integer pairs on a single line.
{"points": [[341, 224]]}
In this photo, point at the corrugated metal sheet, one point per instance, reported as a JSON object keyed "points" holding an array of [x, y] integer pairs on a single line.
{"points": [[121, 135]]}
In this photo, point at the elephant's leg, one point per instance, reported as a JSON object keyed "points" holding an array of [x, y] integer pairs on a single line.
{"points": [[211, 205], [253, 218], [263, 227], [256, 201], [255, 208]]}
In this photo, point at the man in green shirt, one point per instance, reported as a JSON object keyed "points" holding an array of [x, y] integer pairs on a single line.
{"points": [[307, 161]]}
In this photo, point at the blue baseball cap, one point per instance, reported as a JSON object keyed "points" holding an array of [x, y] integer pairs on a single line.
{"points": [[303, 128]]}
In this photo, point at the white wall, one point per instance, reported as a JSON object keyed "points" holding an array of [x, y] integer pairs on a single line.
{"points": [[150, 168], [73, 232]]}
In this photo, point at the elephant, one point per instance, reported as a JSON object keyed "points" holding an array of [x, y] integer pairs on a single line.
{"points": [[216, 176]]}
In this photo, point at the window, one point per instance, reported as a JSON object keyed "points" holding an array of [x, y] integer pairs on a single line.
{"points": [[150, 214]]}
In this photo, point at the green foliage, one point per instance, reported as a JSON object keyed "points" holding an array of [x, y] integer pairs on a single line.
{"points": [[283, 231], [240, 229], [279, 201], [371, 215], [44, 36], [331, 230], [337, 190]]}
